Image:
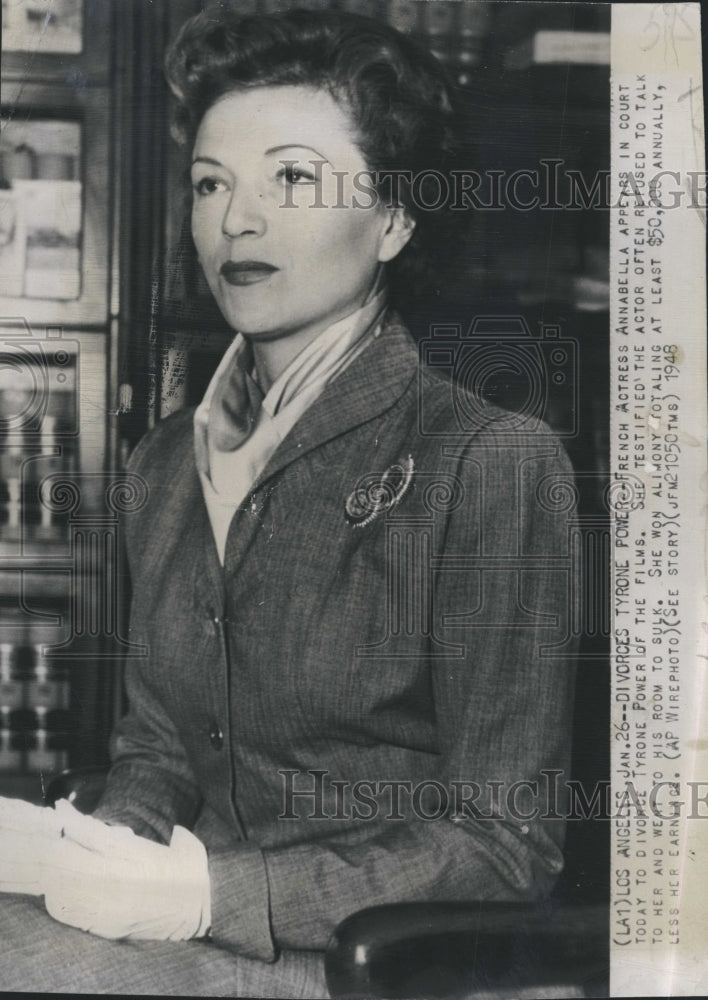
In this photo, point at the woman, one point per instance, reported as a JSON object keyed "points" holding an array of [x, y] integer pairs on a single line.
{"points": [[347, 695]]}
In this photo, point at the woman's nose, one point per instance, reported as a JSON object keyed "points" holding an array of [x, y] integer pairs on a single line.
{"points": [[244, 214]]}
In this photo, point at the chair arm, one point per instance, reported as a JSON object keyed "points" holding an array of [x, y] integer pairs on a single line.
{"points": [[82, 786], [455, 949]]}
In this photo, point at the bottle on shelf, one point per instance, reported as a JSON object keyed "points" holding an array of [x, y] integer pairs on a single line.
{"points": [[47, 751], [11, 698], [48, 685], [54, 458], [13, 472], [26, 466], [10, 756], [50, 749], [35, 704], [11, 684], [12, 527], [13, 456], [48, 696]]}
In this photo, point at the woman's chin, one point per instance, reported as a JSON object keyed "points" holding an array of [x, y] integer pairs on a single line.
{"points": [[259, 327], [259, 333]]}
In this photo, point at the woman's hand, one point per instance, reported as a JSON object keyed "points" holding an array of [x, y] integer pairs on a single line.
{"points": [[110, 882], [105, 879], [27, 834]]}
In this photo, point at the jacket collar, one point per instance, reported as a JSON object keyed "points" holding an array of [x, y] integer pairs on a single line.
{"points": [[371, 384]]}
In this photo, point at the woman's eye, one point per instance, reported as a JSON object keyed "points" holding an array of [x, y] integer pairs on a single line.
{"points": [[295, 175], [207, 185]]}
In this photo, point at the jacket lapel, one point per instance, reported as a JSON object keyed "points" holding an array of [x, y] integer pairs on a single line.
{"points": [[370, 385], [177, 492]]}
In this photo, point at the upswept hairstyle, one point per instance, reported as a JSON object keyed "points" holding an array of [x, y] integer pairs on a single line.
{"points": [[395, 92]]}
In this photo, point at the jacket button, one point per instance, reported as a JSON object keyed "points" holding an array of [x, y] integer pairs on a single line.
{"points": [[216, 737]]}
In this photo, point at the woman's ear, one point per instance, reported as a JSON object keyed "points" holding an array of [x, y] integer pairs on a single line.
{"points": [[398, 230]]}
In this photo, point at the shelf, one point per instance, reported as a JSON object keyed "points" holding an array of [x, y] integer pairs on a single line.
{"points": [[23, 581], [35, 555]]}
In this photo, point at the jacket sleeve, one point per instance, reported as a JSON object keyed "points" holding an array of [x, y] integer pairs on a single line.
{"points": [[151, 787], [503, 708]]}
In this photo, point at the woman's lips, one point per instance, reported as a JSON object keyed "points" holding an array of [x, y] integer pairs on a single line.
{"points": [[246, 272]]}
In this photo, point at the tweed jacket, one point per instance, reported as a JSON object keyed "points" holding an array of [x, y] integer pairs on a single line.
{"points": [[348, 713]]}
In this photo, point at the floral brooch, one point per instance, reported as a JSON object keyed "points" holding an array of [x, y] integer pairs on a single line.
{"points": [[377, 493]]}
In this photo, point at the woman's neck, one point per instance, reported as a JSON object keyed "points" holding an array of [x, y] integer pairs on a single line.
{"points": [[272, 356]]}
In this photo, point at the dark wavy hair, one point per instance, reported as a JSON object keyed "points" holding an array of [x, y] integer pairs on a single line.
{"points": [[395, 92]]}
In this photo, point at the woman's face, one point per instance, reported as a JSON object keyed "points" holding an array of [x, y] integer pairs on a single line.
{"points": [[280, 253]]}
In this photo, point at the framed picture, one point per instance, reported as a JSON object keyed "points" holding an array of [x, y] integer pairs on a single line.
{"points": [[42, 26], [40, 166], [47, 38], [54, 233]]}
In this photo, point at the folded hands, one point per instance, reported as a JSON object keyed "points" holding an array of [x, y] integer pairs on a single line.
{"points": [[105, 879]]}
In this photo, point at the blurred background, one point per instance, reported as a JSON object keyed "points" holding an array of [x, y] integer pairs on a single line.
{"points": [[106, 324]]}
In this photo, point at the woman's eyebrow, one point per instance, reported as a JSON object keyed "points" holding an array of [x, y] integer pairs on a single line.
{"points": [[206, 159], [296, 145]]}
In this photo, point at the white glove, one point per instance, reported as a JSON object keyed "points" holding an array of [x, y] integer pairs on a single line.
{"points": [[110, 882], [27, 834], [31, 835]]}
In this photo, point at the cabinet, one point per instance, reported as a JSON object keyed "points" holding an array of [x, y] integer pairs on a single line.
{"points": [[58, 327]]}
